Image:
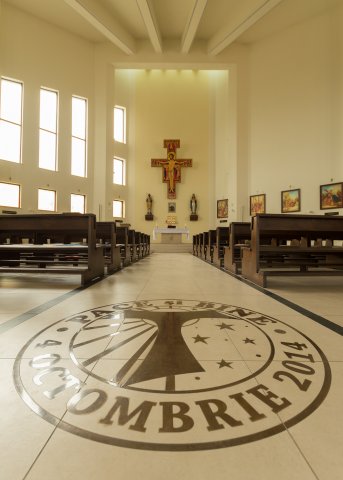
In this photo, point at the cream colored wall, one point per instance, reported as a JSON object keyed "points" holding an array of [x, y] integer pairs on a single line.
{"points": [[199, 107], [124, 96], [223, 169], [227, 165], [171, 104], [296, 111], [228, 122], [40, 54]]}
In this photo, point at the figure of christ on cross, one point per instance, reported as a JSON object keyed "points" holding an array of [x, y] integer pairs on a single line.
{"points": [[171, 173]]}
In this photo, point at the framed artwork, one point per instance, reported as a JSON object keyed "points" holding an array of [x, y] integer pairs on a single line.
{"points": [[171, 207], [290, 200], [222, 208], [257, 204], [331, 196]]}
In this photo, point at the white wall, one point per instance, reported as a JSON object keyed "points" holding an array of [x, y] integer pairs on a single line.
{"points": [[40, 54], [296, 111]]}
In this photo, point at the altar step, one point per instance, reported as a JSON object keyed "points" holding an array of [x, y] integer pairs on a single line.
{"points": [[171, 247]]}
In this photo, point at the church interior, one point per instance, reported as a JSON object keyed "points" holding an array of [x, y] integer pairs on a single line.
{"points": [[169, 124]]}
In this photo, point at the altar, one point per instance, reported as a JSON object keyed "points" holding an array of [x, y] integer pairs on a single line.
{"points": [[170, 235]]}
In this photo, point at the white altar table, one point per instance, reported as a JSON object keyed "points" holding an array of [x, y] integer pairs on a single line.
{"points": [[170, 235]]}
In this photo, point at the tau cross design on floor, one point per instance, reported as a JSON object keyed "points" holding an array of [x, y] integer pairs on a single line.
{"points": [[171, 167]]}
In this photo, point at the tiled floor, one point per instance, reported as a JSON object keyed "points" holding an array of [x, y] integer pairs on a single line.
{"points": [[170, 369]]}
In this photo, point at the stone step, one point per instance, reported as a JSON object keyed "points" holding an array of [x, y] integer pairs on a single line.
{"points": [[171, 247]]}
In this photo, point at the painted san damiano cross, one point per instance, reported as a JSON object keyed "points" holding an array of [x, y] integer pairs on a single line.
{"points": [[171, 167]]}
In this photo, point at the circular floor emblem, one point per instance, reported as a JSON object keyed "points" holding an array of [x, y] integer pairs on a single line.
{"points": [[172, 375]]}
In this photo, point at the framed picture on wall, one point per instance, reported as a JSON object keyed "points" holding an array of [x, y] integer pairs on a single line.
{"points": [[257, 204], [222, 208], [331, 195], [290, 200]]}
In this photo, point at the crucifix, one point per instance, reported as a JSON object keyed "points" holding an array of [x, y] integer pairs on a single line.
{"points": [[171, 167]]}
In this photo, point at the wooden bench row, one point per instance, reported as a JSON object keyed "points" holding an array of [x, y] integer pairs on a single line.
{"points": [[67, 244], [276, 245]]}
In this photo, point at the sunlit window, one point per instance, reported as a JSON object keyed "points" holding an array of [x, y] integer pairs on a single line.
{"points": [[119, 124], [118, 208], [9, 195], [48, 129], [118, 171], [47, 200], [77, 203], [11, 94], [79, 137]]}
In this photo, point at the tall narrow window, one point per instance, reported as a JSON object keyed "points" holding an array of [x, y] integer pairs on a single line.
{"points": [[46, 200], [118, 208], [48, 129], [79, 134], [120, 124], [77, 203], [11, 95], [118, 171], [9, 195]]}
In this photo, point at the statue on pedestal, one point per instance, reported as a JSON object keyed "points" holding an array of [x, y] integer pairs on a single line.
{"points": [[149, 215], [193, 206]]}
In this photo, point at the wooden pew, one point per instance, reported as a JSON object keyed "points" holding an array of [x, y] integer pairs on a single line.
{"points": [[239, 234], [139, 245], [132, 245], [222, 240], [123, 242], [195, 244], [85, 259], [212, 237], [146, 244], [201, 245], [106, 234], [308, 251], [205, 248]]}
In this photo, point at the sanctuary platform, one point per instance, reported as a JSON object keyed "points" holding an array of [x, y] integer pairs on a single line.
{"points": [[171, 240]]}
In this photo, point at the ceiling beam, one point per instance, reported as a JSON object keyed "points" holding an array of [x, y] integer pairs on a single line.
{"points": [[150, 21], [192, 25], [223, 39], [105, 23]]}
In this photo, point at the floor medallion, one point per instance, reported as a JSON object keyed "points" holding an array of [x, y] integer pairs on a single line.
{"points": [[172, 375]]}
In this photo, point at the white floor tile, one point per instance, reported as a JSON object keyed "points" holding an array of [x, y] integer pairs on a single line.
{"points": [[173, 369]]}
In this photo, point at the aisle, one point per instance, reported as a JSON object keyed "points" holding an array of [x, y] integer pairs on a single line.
{"points": [[167, 369]]}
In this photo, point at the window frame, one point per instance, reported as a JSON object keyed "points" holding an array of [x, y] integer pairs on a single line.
{"points": [[19, 195], [55, 200], [20, 125], [123, 138], [49, 131], [85, 140], [84, 203], [123, 162], [122, 208]]}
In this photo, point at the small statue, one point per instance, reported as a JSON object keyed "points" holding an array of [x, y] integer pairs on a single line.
{"points": [[193, 205], [149, 215], [149, 204]]}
